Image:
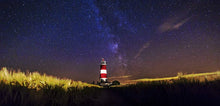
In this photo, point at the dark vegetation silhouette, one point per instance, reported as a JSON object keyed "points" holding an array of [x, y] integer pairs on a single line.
{"points": [[115, 82], [16, 91], [180, 92]]}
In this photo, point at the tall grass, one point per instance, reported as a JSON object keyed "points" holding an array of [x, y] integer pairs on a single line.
{"points": [[21, 89], [34, 80]]}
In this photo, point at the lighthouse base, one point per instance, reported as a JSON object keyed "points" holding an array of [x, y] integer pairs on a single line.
{"points": [[103, 80], [106, 84]]}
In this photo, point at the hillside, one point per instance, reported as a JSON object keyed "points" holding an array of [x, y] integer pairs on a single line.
{"points": [[34, 80], [209, 76], [21, 89]]}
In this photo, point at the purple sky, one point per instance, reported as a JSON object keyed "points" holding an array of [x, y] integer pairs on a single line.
{"points": [[144, 38]]}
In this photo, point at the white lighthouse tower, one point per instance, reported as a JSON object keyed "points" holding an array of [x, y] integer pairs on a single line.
{"points": [[103, 71]]}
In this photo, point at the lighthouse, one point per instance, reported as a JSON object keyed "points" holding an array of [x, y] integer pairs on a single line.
{"points": [[103, 71]]}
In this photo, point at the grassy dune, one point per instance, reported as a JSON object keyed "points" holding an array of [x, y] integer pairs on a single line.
{"points": [[210, 76], [34, 80], [21, 89], [31, 88]]}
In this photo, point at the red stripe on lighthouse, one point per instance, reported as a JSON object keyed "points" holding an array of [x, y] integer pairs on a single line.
{"points": [[103, 75], [103, 67]]}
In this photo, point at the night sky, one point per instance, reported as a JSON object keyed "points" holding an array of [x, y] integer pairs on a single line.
{"points": [[137, 38]]}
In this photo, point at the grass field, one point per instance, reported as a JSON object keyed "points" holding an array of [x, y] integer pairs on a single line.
{"points": [[210, 76], [34, 80], [20, 89]]}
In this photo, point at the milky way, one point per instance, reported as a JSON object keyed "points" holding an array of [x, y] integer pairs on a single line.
{"points": [[139, 39]]}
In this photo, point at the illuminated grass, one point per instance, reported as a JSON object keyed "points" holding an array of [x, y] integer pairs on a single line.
{"points": [[18, 88], [34, 80], [198, 76]]}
